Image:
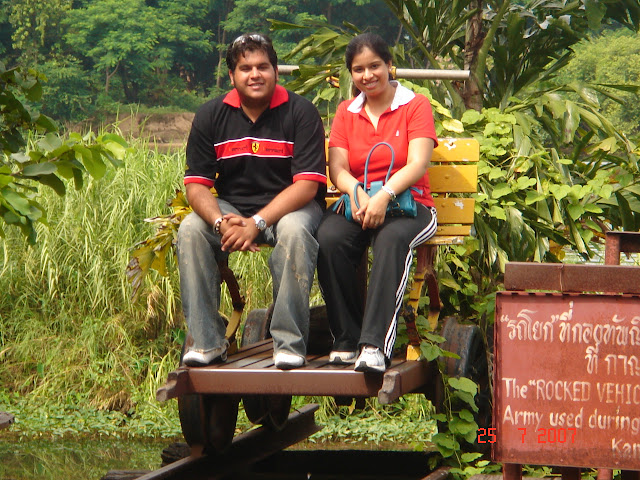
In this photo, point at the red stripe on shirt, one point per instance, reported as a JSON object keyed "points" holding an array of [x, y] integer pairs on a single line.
{"points": [[316, 177], [254, 146], [202, 180]]}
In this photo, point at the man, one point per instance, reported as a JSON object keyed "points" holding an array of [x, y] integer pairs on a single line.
{"points": [[262, 147]]}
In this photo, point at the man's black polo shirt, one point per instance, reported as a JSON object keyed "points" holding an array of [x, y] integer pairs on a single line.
{"points": [[250, 163]]}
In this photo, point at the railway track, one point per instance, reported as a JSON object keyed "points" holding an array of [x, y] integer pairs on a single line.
{"points": [[260, 455]]}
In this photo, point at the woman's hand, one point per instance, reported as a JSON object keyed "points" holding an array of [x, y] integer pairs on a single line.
{"points": [[373, 213], [363, 200]]}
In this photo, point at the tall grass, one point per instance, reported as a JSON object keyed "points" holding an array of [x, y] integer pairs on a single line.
{"points": [[74, 350], [68, 328]]}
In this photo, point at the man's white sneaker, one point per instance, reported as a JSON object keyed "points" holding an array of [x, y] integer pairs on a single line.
{"points": [[339, 357], [194, 358], [371, 359], [288, 361]]}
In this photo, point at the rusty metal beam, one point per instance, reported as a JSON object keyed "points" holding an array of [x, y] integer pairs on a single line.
{"points": [[620, 242], [568, 278], [407, 377], [246, 449]]}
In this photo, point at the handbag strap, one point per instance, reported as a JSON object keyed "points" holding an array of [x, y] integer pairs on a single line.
{"points": [[366, 170], [366, 164]]}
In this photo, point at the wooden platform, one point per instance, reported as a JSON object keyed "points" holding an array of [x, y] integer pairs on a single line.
{"points": [[251, 371]]}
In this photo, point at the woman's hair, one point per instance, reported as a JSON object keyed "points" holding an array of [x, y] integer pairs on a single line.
{"points": [[372, 41]]}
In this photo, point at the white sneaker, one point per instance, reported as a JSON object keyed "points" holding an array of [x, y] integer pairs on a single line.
{"points": [[287, 361], [195, 358], [371, 359], [338, 357]]}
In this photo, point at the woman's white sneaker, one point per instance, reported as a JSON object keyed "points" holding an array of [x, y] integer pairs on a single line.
{"points": [[371, 359], [339, 357]]}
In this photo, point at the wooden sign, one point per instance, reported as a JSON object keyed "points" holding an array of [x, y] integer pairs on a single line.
{"points": [[567, 380]]}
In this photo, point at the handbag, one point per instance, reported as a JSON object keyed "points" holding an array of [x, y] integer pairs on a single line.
{"points": [[404, 204]]}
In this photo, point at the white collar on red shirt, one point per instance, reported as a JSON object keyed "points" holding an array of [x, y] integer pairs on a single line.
{"points": [[402, 96]]}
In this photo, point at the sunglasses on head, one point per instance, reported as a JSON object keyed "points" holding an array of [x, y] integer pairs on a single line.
{"points": [[253, 37]]}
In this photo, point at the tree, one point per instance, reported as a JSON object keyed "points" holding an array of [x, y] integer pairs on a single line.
{"points": [[621, 49], [137, 42], [33, 22], [25, 166]]}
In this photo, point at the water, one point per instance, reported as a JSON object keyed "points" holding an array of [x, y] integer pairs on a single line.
{"points": [[88, 459], [91, 459]]}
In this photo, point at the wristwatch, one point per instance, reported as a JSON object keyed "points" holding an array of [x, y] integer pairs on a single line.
{"points": [[261, 223], [389, 192], [216, 225]]}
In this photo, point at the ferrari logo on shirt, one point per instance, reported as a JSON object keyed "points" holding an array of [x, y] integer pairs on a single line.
{"points": [[255, 146]]}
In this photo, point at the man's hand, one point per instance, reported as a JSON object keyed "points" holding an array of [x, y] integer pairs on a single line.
{"points": [[238, 234]]}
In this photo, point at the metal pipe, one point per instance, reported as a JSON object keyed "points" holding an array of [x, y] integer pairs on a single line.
{"points": [[415, 73]]}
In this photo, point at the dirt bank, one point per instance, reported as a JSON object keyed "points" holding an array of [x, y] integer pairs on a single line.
{"points": [[160, 128]]}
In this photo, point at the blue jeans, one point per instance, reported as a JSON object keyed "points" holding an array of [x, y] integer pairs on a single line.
{"points": [[292, 264]]}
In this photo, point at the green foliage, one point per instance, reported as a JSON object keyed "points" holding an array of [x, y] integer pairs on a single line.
{"points": [[408, 421], [47, 160], [67, 90], [138, 42], [70, 339], [621, 49], [34, 22]]}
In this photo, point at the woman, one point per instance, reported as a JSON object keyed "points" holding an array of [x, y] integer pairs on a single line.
{"points": [[385, 111]]}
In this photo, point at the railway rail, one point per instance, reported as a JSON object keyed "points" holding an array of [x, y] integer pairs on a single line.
{"points": [[258, 454]]}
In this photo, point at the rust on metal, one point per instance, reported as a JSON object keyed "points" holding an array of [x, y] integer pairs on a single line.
{"points": [[251, 371], [567, 380], [620, 242], [246, 449], [569, 278]]}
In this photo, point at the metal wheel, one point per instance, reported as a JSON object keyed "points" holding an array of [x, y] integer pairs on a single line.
{"points": [[223, 413], [208, 421], [193, 419], [269, 410], [467, 342]]}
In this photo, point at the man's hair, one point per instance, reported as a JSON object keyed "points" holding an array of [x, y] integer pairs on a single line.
{"points": [[250, 42]]}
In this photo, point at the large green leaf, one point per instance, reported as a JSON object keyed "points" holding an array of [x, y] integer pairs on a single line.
{"points": [[36, 169]]}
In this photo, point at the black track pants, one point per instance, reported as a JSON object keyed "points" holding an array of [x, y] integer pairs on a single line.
{"points": [[342, 244]]}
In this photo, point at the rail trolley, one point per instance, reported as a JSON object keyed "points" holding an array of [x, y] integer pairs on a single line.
{"points": [[208, 397]]}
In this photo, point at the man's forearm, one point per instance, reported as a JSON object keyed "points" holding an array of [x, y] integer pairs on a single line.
{"points": [[203, 202]]}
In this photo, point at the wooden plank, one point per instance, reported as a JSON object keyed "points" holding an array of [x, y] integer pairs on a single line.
{"points": [[318, 377], [456, 150], [448, 239], [449, 231], [453, 178], [569, 278], [455, 210]]}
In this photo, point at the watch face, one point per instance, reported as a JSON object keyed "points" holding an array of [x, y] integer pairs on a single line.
{"points": [[261, 224]]}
